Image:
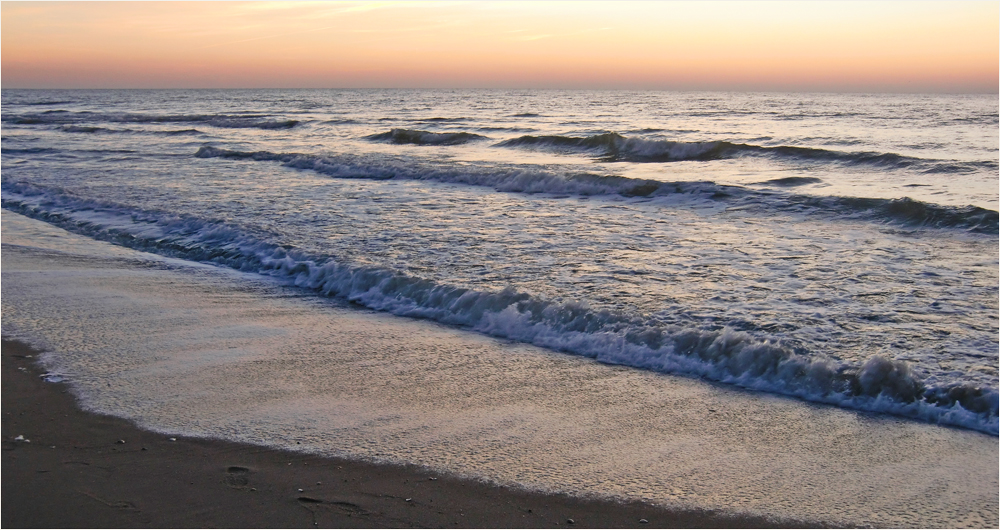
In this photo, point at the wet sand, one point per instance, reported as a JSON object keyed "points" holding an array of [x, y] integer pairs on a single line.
{"points": [[73, 470]]}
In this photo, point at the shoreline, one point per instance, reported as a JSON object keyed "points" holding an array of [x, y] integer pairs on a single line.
{"points": [[75, 472], [210, 354]]}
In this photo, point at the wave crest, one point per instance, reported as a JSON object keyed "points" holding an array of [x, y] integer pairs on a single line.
{"points": [[409, 136], [613, 147], [908, 212]]}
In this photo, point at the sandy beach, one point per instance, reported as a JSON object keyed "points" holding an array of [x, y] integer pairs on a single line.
{"points": [[72, 470], [267, 393]]}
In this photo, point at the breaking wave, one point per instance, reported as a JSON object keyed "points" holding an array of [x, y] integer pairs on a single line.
{"points": [[613, 147], [512, 178], [409, 136], [751, 361]]}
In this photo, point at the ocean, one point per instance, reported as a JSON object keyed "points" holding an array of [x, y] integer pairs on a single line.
{"points": [[425, 276]]}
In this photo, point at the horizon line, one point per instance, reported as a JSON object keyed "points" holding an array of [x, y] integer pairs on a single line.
{"points": [[554, 89]]}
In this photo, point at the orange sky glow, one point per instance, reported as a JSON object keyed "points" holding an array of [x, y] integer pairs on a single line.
{"points": [[814, 46]]}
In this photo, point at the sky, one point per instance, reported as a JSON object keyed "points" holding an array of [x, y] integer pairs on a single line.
{"points": [[767, 46]]}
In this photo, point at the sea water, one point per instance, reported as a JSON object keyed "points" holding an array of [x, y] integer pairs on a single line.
{"points": [[188, 349], [836, 249]]}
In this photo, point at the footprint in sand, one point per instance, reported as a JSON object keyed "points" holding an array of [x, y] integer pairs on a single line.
{"points": [[238, 477]]}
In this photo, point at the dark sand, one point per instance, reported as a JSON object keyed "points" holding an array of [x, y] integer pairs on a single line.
{"points": [[76, 472]]}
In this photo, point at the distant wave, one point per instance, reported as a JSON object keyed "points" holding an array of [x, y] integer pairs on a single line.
{"points": [[519, 179], [441, 120], [409, 136], [105, 130], [231, 121], [509, 129], [179, 132], [613, 147], [28, 150], [751, 361], [788, 182], [81, 129]]}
